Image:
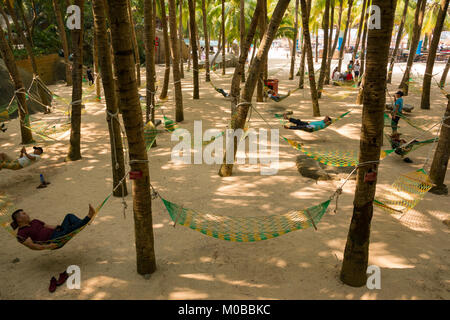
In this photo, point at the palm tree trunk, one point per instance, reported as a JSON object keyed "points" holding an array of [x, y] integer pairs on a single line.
{"points": [[109, 88], [309, 57], [426, 87], [235, 82], [262, 76], [8, 26], [149, 40], [441, 156], [317, 46], [77, 89], [354, 265], [242, 33], [238, 118], [10, 63], [63, 36], [179, 116], [25, 22], [193, 41], [98, 95], [418, 21], [294, 47], [165, 87], [45, 99], [301, 71], [397, 42], [361, 23], [132, 118], [330, 43], [207, 45], [336, 39], [223, 39], [364, 43], [347, 24], [323, 67], [444, 74], [137, 58], [181, 40]]}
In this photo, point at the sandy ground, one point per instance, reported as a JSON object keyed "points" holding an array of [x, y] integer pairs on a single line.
{"points": [[412, 251]]}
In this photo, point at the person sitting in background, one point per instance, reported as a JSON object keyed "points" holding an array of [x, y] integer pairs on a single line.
{"points": [[31, 232], [306, 126], [357, 68], [336, 75], [349, 75], [24, 160]]}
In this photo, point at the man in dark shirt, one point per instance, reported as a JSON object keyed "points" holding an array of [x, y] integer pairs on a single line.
{"points": [[31, 232]]}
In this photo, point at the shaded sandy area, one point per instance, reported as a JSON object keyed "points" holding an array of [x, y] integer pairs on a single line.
{"points": [[412, 250]]}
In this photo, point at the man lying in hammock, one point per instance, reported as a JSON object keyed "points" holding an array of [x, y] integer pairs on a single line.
{"points": [[306, 126], [32, 231], [223, 92], [401, 147], [25, 159]]}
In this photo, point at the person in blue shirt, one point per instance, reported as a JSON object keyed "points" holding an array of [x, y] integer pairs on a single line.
{"points": [[307, 126], [398, 107]]}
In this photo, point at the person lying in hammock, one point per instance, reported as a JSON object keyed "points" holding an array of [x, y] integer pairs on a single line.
{"points": [[223, 92], [307, 126], [25, 159], [32, 231], [273, 95], [397, 142]]}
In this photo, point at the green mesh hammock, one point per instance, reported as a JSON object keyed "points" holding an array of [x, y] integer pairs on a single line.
{"points": [[335, 158], [406, 193], [411, 146], [246, 229], [333, 121], [5, 114], [417, 124], [7, 208]]}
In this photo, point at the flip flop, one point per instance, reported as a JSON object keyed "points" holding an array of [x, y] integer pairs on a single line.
{"points": [[62, 278], [53, 285]]}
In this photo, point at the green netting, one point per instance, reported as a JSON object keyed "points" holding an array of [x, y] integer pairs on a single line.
{"points": [[419, 124], [150, 133], [411, 146], [330, 157], [246, 229], [406, 193], [333, 121], [169, 124]]}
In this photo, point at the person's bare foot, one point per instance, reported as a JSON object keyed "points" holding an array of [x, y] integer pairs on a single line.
{"points": [[91, 211]]}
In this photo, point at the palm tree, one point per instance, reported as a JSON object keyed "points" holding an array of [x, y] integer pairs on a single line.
{"points": [[418, 21], [8, 26], [235, 82], [323, 67], [45, 99], [397, 42], [96, 71], [223, 39], [77, 87], [132, 118], [181, 38], [207, 45], [165, 87], [238, 118], [109, 88], [10, 63], [425, 104], [63, 36], [441, 155], [294, 46], [309, 57], [193, 41], [137, 58], [263, 75], [444, 74], [149, 40], [175, 62], [354, 266], [346, 31], [361, 23], [242, 29], [336, 39]]}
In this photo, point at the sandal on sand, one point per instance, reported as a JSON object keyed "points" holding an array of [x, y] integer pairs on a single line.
{"points": [[53, 285], [62, 278]]}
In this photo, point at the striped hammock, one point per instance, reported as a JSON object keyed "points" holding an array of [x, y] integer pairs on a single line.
{"points": [[406, 193], [246, 229]]}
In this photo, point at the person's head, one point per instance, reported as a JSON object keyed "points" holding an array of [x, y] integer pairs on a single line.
{"points": [[327, 119], [351, 61], [399, 94], [19, 218], [357, 62], [38, 150], [336, 69]]}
